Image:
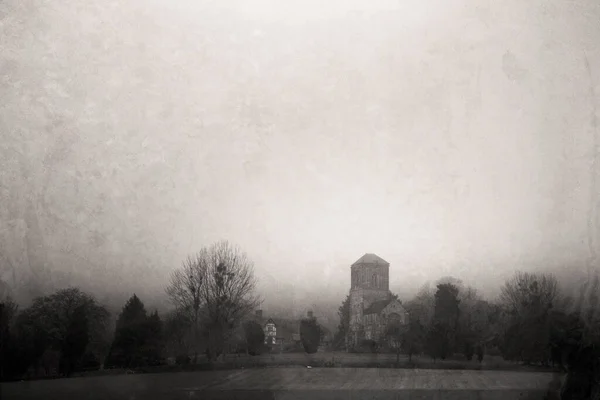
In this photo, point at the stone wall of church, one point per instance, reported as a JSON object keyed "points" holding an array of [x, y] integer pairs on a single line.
{"points": [[374, 327], [360, 299], [396, 307]]}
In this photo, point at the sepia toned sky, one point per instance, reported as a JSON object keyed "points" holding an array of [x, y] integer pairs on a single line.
{"points": [[450, 137]]}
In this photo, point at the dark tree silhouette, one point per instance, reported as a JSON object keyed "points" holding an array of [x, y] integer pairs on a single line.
{"points": [[255, 337], [437, 342], [47, 327], [479, 352], [154, 342], [413, 339], [75, 342], [445, 318], [528, 301], [179, 335], [310, 334], [340, 338], [133, 339], [8, 345]]}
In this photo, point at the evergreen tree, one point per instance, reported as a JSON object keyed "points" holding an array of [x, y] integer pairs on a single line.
{"points": [[131, 336], [8, 344], [436, 342], [413, 338], [310, 334], [154, 341], [446, 318], [343, 329]]}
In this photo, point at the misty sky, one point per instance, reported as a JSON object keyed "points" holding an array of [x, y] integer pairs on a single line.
{"points": [[450, 137]]}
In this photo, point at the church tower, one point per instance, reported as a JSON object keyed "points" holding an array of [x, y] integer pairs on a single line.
{"points": [[370, 282]]}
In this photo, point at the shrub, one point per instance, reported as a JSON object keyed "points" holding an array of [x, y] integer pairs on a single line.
{"points": [[494, 351], [369, 345], [479, 352], [183, 359], [293, 348], [469, 351], [255, 337], [310, 335], [89, 361]]}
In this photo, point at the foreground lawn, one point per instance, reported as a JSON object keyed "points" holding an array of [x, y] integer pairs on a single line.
{"points": [[354, 360], [334, 360], [278, 383], [338, 360]]}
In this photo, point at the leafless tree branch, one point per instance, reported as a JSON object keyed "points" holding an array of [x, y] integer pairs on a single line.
{"points": [[217, 287], [525, 289]]}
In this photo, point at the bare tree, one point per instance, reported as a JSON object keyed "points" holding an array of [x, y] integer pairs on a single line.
{"points": [[228, 293], [185, 293], [179, 334], [215, 288], [526, 290], [421, 306]]}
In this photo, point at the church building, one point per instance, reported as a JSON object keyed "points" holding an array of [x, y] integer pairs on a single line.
{"points": [[372, 306]]}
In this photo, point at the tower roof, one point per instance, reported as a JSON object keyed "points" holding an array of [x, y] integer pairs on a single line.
{"points": [[370, 259]]}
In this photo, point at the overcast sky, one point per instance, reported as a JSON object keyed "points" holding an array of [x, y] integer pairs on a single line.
{"points": [[450, 137]]}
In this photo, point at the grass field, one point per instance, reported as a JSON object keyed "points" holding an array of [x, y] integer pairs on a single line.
{"points": [[354, 360], [338, 360], [296, 383]]}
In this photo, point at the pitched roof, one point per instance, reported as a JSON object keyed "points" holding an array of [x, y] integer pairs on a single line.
{"points": [[370, 258], [377, 307]]}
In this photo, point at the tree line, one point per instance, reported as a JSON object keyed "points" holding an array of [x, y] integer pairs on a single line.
{"points": [[212, 294], [532, 322]]}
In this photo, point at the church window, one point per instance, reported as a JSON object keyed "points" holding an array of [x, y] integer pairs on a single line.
{"points": [[374, 280]]}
